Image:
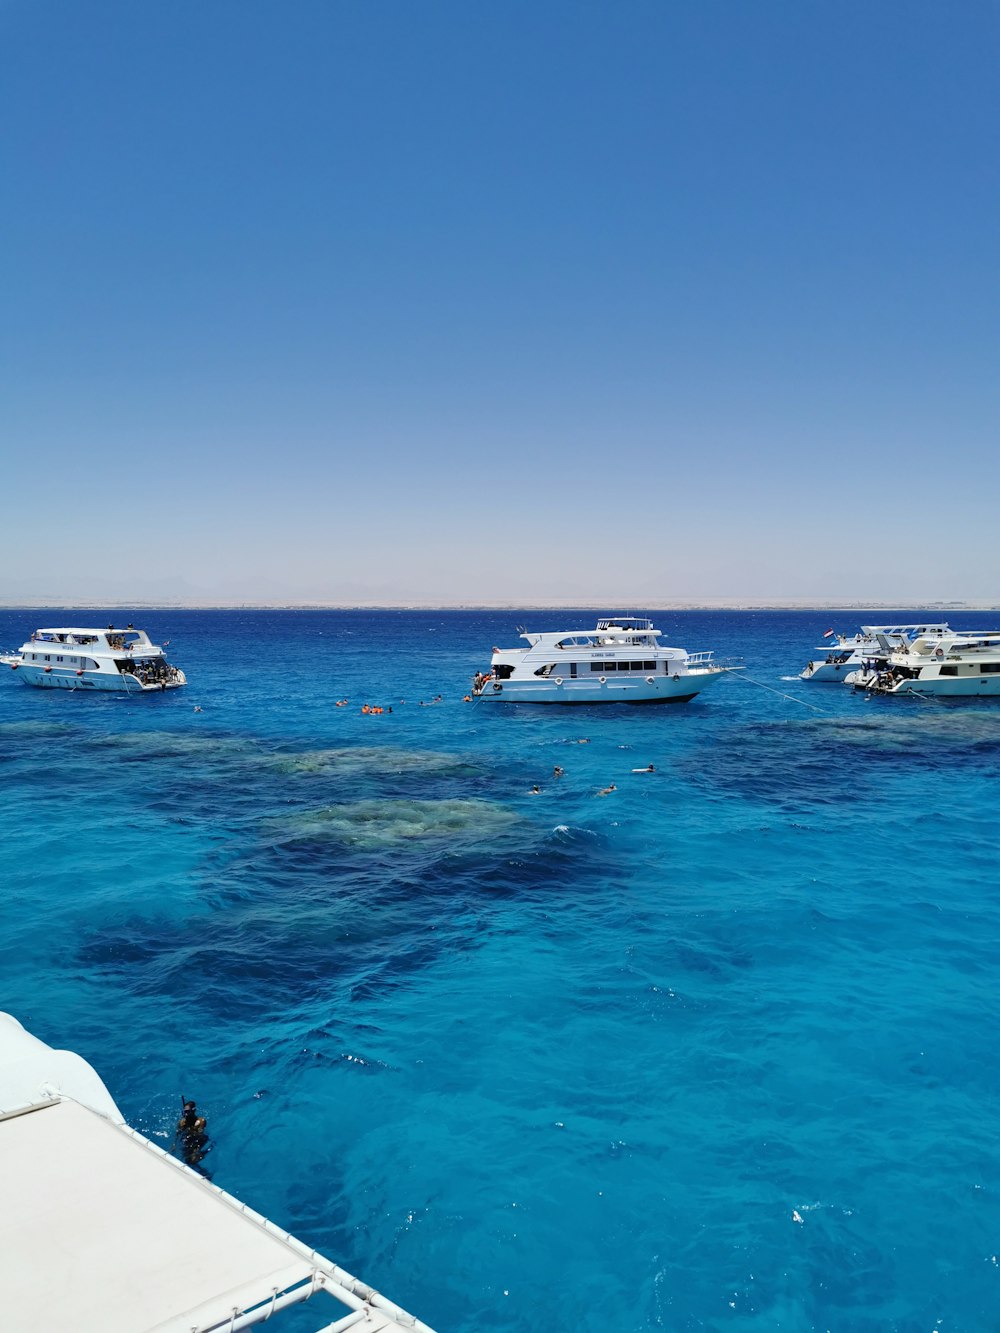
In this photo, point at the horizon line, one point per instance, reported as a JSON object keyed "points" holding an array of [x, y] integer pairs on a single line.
{"points": [[710, 604]]}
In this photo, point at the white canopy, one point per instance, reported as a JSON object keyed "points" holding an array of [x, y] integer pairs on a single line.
{"points": [[101, 1230]]}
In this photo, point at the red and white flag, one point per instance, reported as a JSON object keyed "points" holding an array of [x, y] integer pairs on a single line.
{"points": [[828, 633]]}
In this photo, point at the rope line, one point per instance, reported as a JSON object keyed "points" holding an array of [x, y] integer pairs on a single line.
{"points": [[781, 694]]}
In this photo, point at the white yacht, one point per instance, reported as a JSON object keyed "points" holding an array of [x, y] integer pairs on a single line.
{"points": [[966, 664], [833, 661], [95, 659], [622, 661], [104, 1229]]}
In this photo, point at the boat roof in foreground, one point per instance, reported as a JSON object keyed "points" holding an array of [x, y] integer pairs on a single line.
{"points": [[102, 1229]]}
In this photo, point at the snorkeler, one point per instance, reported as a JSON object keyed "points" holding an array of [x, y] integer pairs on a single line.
{"points": [[192, 1130]]}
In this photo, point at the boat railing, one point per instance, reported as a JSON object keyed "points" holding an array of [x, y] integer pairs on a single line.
{"points": [[709, 660]]}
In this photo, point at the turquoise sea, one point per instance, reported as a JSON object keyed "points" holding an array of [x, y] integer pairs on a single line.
{"points": [[555, 1061]]}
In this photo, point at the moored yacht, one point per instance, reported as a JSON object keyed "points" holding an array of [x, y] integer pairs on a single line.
{"points": [[954, 664], [621, 661], [96, 659], [843, 654]]}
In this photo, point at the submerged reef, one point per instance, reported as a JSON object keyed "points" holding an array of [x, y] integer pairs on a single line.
{"points": [[378, 824]]}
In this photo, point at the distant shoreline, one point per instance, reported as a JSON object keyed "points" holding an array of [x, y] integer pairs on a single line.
{"points": [[610, 606]]}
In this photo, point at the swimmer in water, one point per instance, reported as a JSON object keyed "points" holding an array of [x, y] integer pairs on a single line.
{"points": [[606, 791], [648, 769], [535, 791], [192, 1130], [558, 772]]}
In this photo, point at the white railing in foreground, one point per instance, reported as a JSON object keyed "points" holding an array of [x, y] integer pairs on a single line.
{"points": [[326, 1276]]}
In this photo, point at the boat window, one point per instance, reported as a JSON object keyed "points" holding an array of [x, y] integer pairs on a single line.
{"points": [[948, 671], [990, 666], [545, 670], [601, 666], [48, 658]]}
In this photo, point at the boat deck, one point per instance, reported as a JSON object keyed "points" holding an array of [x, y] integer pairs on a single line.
{"points": [[102, 1229]]}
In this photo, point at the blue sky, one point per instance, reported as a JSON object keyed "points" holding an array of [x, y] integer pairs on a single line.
{"points": [[501, 301]]}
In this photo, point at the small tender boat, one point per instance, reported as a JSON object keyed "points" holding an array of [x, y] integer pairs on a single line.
{"points": [[833, 661], [965, 664], [622, 661], [95, 659]]}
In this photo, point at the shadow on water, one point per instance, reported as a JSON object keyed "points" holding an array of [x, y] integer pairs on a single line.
{"points": [[820, 761], [344, 903]]}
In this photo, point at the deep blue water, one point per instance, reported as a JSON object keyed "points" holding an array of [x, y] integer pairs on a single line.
{"points": [[561, 1061]]}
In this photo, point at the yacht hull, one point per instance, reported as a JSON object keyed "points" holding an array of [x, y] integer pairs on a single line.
{"points": [[58, 679], [969, 687], [662, 690], [828, 673]]}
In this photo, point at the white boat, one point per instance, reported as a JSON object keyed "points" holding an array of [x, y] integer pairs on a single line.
{"points": [[843, 654], [622, 661], [103, 1229], [95, 659], [954, 664]]}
